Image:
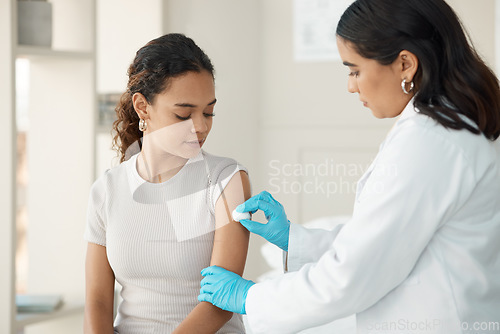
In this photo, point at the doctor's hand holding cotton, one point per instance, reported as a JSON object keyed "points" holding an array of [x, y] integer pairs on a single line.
{"points": [[277, 229], [421, 251]]}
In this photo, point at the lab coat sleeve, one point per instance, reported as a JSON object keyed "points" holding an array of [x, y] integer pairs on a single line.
{"points": [[420, 179], [306, 245]]}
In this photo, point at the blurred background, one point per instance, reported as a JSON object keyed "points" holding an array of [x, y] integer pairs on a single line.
{"points": [[283, 111]]}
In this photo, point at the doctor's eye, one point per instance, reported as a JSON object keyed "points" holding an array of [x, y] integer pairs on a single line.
{"points": [[209, 114], [354, 74]]}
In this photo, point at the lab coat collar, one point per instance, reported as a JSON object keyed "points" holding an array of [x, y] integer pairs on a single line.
{"points": [[408, 111]]}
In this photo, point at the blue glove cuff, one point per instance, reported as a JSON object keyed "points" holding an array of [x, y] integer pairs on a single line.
{"points": [[244, 297]]}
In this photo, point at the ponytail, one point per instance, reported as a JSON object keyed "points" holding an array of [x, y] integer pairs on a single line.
{"points": [[126, 126]]}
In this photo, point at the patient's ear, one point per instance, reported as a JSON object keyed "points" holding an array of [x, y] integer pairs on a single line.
{"points": [[140, 105]]}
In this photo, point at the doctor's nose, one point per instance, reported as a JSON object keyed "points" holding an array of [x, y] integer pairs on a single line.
{"points": [[352, 85]]}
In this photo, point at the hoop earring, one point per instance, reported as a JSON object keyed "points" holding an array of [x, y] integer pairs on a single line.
{"points": [[143, 125], [403, 85]]}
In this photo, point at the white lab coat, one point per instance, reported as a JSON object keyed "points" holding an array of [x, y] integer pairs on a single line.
{"points": [[421, 253]]}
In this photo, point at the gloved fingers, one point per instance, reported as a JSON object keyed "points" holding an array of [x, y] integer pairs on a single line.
{"points": [[207, 288], [267, 207], [212, 270], [205, 297], [275, 207], [260, 204], [209, 280], [267, 197], [254, 227], [252, 204]]}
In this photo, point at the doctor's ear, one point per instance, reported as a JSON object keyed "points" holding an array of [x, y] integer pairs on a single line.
{"points": [[140, 105], [407, 63]]}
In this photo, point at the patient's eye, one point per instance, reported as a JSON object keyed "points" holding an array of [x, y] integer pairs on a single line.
{"points": [[183, 118]]}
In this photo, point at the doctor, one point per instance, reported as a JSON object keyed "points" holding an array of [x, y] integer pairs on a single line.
{"points": [[421, 253]]}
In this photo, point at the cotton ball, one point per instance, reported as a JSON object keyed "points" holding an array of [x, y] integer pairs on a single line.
{"points": [[237, 216]]}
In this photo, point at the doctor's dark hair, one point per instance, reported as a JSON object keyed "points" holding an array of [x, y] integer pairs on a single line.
{"points": [[157, 62], [450, 72]]}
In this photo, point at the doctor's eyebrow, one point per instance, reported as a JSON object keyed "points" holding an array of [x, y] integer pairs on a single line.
{"points": [[190, 105], [346, 63]]}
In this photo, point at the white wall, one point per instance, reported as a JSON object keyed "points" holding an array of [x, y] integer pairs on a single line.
{"points": [[480, 19], [122, 28], [228, 31]]}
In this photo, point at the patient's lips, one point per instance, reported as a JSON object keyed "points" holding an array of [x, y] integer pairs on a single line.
{"points": [[195, 143]]}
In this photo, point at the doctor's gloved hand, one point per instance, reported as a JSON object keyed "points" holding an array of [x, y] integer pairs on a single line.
{"points": [[224, 289], [277, 229]]}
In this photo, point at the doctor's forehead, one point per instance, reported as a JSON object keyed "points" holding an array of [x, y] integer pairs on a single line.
{"points": [[347, 52]]}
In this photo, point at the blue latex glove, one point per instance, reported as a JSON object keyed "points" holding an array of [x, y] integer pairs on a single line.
{"points": [[277, 229], [224, 289]]}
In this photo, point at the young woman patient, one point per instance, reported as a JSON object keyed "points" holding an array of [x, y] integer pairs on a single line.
{"points": [[164, 213]]}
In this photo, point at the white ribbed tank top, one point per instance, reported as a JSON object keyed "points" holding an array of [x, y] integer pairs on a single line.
{"points": [[158, 237]]}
